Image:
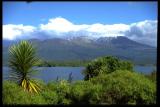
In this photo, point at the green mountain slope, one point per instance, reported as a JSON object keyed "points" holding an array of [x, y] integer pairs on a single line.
{"points": [[81, 49]]}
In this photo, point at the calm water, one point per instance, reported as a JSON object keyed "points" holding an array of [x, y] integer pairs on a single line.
{"points": [[144, 69], [51, 73]]}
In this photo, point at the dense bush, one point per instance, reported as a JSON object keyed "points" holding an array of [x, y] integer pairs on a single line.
{"points": [[62, 88], [105, 65], [125, 87], [10, 96], [85, 92], [14, 94], [119, 87], [50, 96]]}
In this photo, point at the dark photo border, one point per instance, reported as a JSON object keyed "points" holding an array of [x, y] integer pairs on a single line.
{"points": [[158, 51]]}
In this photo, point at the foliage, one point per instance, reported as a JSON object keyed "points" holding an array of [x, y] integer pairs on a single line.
{"points": [[84, 92], [10, 96], [105, 65], [152, 75], [73, 63], [22, 59], [50, 96], [119, 87], [125, 87], [62, 88], [125, 65], [14, 94]]}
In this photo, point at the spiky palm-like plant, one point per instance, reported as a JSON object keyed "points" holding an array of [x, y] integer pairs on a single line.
{"points": [[21, 61]]}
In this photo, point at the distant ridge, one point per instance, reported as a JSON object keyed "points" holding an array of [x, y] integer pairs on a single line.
{"points": [[86, 48]]}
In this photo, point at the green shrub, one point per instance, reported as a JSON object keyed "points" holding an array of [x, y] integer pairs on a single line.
{"points": [[36, 99], [50, 96], [119, 87], [85, 92], [66, 101], [78, 91], [125, 65], [52, 85], [95, 94], [105, 65], [14, 94], [62, 88], [125, 87]]}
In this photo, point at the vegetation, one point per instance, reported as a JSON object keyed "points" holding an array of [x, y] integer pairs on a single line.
{"points": [[109, 81], [152, 76], [125, 87], [105, 65], [22, 59], [73, 63], [14, 94], [119, 87]]}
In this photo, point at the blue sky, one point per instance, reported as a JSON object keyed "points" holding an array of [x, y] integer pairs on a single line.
{"points": [[135, 20], [35, 13]]}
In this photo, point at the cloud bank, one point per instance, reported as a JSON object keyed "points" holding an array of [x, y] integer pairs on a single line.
{"points": [[11, 31], [143, 32]]}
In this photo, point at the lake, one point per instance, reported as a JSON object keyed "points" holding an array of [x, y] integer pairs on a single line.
{"points": [[52, 73]]}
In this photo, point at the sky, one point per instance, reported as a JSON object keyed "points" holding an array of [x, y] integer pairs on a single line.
{"points": [[135, 20]]}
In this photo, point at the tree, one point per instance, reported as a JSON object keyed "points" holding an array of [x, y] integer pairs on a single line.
{"points": [[21, 60], [106, 65]]}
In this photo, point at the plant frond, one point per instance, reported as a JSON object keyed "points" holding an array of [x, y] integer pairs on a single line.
{"points": [[21, 61]]}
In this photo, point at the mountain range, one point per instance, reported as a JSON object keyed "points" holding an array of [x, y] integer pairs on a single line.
{"points": [[87, 48]]}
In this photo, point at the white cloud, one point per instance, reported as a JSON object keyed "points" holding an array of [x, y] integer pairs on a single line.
{"points": [[144, 31], [109, 30], [12, 32], [60, 25]]}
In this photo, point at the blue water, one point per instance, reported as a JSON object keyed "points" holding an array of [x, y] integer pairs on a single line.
{"points": [[144, 69], [51, 73]]}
